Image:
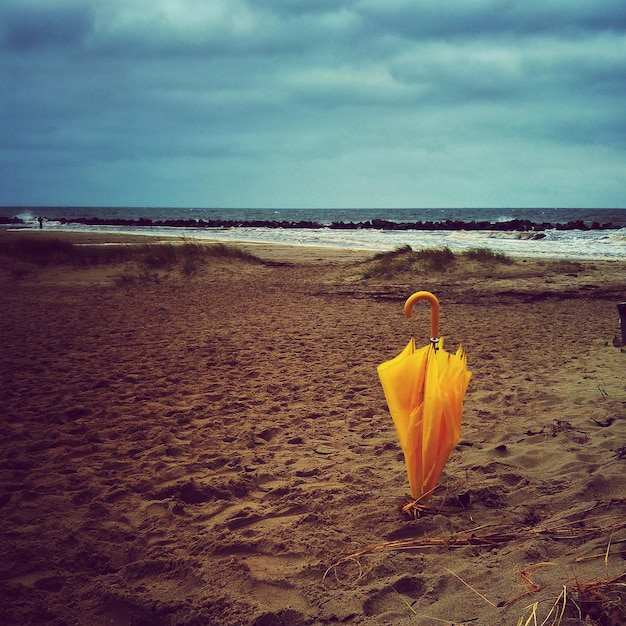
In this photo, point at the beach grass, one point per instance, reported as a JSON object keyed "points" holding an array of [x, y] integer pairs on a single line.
{"points": [[438, 259], [487, 256], [26, 253]]}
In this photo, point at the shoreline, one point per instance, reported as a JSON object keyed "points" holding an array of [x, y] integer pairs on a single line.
{"points": [[272, 250]]}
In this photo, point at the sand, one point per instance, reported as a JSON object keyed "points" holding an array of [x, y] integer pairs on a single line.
{"points": [[216, 448]]}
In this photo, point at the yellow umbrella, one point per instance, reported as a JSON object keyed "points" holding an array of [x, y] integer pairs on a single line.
{"points": [[424, 390]]}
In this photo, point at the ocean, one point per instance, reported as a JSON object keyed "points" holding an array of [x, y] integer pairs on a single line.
{"points": [[544, 232]]}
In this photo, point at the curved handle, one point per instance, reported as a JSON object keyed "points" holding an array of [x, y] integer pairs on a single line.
{"points": [[434, 311]]}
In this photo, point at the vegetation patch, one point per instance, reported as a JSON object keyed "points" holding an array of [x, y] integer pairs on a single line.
{"points": [[405, 259], [435, 259], [486, 256], [42, 251], [386, 264], [189, 257]]}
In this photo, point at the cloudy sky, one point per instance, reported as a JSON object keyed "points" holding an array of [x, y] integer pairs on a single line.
{"points": [[313, 103]]}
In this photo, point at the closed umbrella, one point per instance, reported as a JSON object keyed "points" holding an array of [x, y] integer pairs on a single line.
{"points": [[424, 389]]}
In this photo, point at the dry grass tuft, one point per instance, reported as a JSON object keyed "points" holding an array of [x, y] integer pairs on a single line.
{"points": [[437, 260], [27, 254], [487, 256]]}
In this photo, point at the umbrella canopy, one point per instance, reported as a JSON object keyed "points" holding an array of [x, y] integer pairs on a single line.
{"points": [[424, 389]]}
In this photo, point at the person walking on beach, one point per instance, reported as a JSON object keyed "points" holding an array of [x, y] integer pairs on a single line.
{"points": [[40, 220]]}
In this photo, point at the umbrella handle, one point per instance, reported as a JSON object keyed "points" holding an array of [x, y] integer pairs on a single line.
{"points": [[434, 311]]}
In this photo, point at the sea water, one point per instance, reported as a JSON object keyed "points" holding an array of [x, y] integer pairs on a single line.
{"points": [[603, 243]]}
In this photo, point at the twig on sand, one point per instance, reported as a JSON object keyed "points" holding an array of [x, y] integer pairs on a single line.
{"points": [[403, 599], [480, 595], [415, 509], [558, 613], [334, 567], [499, 535], [533, 587], [602, 601]]}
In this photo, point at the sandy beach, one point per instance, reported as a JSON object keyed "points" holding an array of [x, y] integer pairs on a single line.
{"points": [[215, 448]]}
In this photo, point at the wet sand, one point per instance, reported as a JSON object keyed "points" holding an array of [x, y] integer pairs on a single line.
{"points": [[216, 448]]}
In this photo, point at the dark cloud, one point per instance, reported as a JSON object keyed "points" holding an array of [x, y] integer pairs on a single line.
{"points": [[26, 28], [305, 7], [311, 102], [493, 18]]}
